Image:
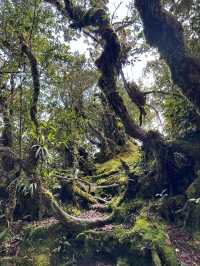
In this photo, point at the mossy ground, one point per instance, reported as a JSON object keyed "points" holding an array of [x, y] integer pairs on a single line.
{"points": [[125, 242], [137, 237]]}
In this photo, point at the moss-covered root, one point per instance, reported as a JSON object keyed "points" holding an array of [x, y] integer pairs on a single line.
{"points": [[122, 261], [41, 260], [86, 196], [68, 220], [155, 258]]}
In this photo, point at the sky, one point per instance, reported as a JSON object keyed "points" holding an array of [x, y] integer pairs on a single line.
{"points": [[132, 72]]}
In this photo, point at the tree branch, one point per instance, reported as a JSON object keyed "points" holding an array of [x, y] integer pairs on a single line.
{"points": [[109, 63], [163, 31]]}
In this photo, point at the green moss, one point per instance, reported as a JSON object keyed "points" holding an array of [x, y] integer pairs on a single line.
{"points": [[130, 155], [72, 210], [49, 194], [146, 233], [156, 258], [125, 209], [168, 255], [169, 206], [119, 178], [193, 216], [41, 260], [39, 241], [122, 262], [193, 190], [17, 261]]}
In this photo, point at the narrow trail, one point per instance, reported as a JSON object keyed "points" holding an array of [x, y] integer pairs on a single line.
{"points": [[187, 249]]}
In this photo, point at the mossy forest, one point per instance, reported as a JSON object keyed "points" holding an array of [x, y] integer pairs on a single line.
{"points": [[100, 133]]}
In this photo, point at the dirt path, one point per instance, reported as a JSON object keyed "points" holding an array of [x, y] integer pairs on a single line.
{"points": [[187, 249]]}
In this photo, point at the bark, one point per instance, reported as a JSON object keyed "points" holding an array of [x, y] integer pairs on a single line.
{"points": [[116, 137], [36, 81], [163, 31], [68, 156], [109, 63]]}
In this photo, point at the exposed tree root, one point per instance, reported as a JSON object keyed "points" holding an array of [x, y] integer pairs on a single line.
{"points": [[83, 194], [68, 220]]}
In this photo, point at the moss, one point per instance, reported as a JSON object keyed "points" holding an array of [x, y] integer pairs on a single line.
{"points": [[193, 190], [168, 255], [41, 260], [156, 258], [72, 210], [49, 194], [122, 262], [86, 196], [39, 240], [169, 206], [15, 261], [112, 171], [126, 209], [193, 216], [119, 178], [129, 155], [148, 234]]}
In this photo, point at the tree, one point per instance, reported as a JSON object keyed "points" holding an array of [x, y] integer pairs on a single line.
{"points": [[64, 87]]}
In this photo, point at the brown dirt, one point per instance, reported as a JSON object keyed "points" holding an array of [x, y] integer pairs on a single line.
{"points": [[187, 249]]}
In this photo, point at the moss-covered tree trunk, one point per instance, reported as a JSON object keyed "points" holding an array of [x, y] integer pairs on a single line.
{"points": [[163, 31]]}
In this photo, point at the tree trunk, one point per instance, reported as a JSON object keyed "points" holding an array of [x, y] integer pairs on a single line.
{"points": [[163, 31]]}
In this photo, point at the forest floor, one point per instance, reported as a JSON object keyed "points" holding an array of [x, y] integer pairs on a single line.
{"points": [[187, 249], [42, 234]]}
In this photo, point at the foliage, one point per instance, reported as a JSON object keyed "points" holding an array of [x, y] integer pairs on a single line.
{"points": [[86, 124]]}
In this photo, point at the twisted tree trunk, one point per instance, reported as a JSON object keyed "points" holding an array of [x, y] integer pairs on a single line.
{"points": [[163, 31], [109, 62]]}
